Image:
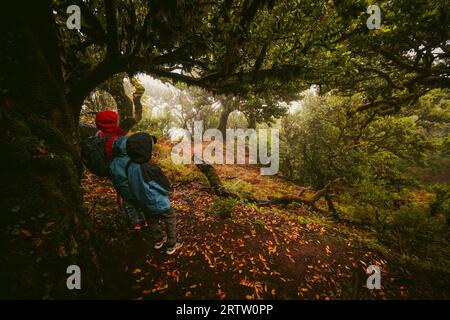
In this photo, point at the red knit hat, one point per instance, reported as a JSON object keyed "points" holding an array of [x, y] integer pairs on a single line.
{"points": [[106, 119]]}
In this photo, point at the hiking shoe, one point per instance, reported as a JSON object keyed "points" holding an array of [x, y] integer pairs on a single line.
{"points": [[172, 249], [137, 226], [159, 245]]}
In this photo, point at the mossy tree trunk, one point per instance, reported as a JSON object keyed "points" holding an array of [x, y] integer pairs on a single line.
{"points": [[137, 98], [130, 111], [43, 226], [228, 106], [124, 104]]}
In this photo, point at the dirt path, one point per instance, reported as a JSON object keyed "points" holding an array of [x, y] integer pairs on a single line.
{"points": [[260, 253]]}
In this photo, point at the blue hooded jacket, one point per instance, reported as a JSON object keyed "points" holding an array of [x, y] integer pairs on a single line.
{"points": [[117, 168], [151, 196], [147, 182]]}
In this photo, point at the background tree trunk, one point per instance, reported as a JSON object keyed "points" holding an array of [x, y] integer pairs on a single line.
{"points": [[251, 122], [44, 229], [124, 104], [130, 111], [137, 97], [223, 121], [227, 107]]}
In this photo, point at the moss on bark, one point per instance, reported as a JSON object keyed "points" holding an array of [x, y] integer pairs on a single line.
{"points": [[44, 228]]}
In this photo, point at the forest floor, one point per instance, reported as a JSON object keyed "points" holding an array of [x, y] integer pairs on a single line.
{"points": [[270, 252]]}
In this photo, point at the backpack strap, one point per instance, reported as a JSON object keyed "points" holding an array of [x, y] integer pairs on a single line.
{"points": [[106, 136], [145, 173], [126, 167]]}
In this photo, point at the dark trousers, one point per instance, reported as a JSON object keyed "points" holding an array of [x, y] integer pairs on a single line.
{"points": [[169, 220], [134, 212]]}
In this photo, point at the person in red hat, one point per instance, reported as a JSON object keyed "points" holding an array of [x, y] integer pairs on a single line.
{"points": [[107, 122]]}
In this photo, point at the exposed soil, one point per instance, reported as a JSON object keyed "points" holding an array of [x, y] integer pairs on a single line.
{"points": [[258, 254]]}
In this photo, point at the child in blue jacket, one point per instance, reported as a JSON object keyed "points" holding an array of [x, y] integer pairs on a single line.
{"points": [[120, 181], [151, 188]]}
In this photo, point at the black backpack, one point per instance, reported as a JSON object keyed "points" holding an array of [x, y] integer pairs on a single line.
{"points": [[152, 172], [94, 155]]}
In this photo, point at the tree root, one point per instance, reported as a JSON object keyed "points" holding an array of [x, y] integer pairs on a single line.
{"points": [[217, 187]]}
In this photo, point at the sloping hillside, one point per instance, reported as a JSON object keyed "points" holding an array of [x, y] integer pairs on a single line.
{"points": [[233, 249]]}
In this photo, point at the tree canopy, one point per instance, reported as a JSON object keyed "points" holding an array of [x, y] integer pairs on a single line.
{"points": [[379, 116], [239, 46]]}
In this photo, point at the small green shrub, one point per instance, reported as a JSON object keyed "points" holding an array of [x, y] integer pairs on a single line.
{"points": [[179, 172], [223, 207], [158, 126], [259, 222], [441, 203]]}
